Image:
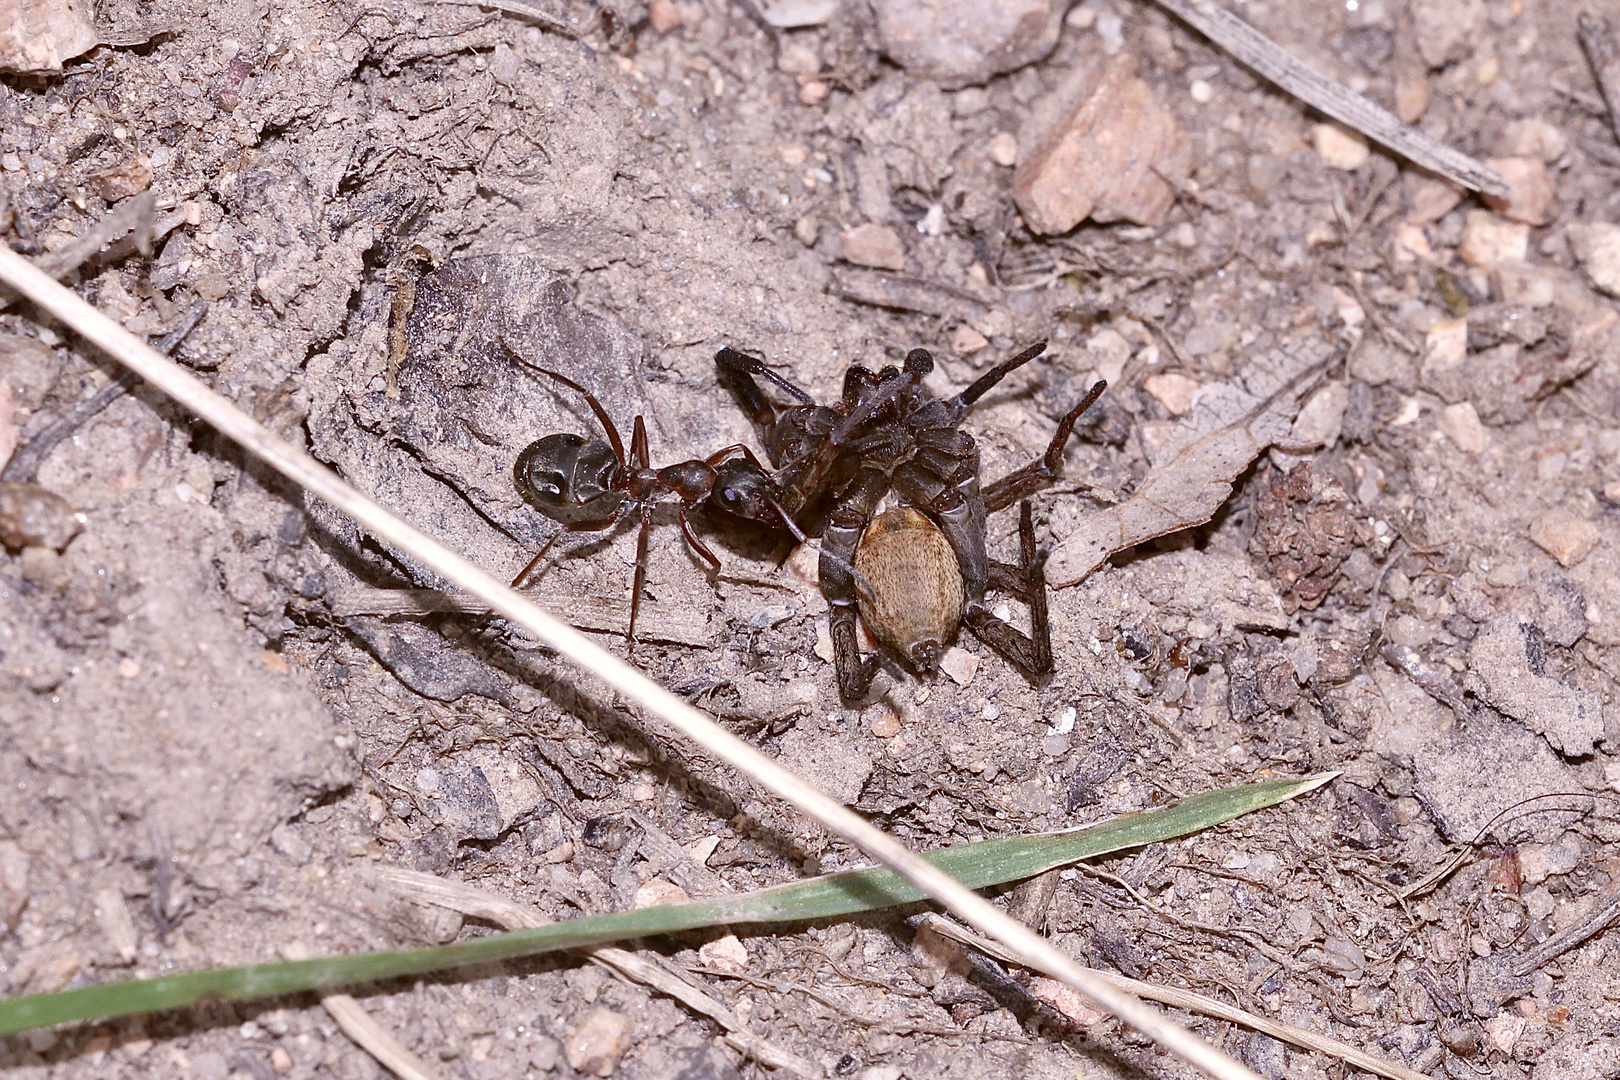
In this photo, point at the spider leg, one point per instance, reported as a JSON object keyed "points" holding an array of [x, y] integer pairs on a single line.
{"points": [[736, 374], [1044, 469], [737, 367], [1031, 655], [982, 385], [597, 525], [839, 586]]}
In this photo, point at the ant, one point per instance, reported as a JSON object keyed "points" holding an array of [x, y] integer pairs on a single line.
{"points": [[590, 486]]}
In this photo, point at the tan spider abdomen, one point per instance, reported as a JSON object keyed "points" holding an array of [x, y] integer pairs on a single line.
{"points": [[915, 601]]}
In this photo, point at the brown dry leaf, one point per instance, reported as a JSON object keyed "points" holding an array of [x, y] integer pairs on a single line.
{"points": [[1195, 467], [37, 35]]}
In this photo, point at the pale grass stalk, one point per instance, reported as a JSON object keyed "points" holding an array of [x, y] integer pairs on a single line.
{"points": [[1021, 942], [375, 1039]]}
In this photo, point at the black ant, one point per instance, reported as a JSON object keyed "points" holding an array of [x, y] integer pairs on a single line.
{"points": [[590, 486]]}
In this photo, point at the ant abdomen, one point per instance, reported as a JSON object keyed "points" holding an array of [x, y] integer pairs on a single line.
{"points": [[568, 477]]}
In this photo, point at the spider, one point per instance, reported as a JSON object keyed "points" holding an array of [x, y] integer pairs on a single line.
{"points": [[590, 486], [919, 568]]}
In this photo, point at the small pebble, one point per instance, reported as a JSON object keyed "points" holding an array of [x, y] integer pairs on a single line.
{"points": [[1565, 537], [1339, 148], [965, 339], [1428, 198], [1322, 417], [1173, 390], [1445, 346], [1488, 240], [31, 516], [813, 92], [798, 58], [886, 725], [807, 230], [1004, 148], [1597, 245], [1532, 196], [874, 245], [598, 1043], [1201, 91], [1460, 423], [1063, 722], [657, 892], [726, 953], [959, 664], [663, 16]]}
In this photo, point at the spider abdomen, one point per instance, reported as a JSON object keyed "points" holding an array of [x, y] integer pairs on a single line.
{"points": [[915, 600]]}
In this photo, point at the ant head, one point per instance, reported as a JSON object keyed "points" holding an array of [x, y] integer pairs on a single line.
{"points": [[919, 362], [568, 477], [740, 488]]}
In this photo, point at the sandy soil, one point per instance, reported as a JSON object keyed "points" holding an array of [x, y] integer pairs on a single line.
{"points": [[215, 725]]}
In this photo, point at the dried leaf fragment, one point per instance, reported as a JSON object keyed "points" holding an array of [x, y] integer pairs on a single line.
{"points": [[1194, 471]]}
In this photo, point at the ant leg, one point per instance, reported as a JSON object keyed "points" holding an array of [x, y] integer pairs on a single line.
{"points": [[726, 453], [641, 575], [590, 399], [696, 544], [1044, 469], [598, 525], [982, 385], [640, 455], [1031, 655]]}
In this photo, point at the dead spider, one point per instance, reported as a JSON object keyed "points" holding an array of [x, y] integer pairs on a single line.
{"points": [[590, 486], [918, 568]]}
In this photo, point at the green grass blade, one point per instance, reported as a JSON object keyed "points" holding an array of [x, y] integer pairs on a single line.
{"points": [[978, 865]]}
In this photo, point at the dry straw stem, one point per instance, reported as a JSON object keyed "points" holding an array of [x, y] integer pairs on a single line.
{"points": [[1028, 947], [1253, 49], [1183, 999], [375, 1039]]}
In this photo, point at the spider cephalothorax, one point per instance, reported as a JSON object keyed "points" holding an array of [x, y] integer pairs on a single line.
{"points": [[890, 442]]}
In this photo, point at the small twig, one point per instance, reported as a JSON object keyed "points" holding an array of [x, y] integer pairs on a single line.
{"points": [[24, 465], [1599, 46], [1293, 76], [1600, 918], [1182, 999]]}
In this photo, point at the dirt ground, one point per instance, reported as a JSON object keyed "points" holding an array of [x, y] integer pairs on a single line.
{"points": [[217, 725]]}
